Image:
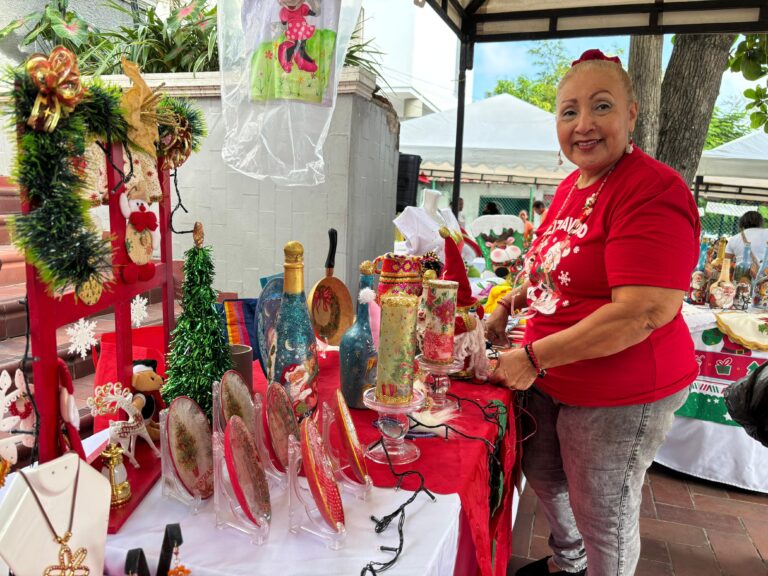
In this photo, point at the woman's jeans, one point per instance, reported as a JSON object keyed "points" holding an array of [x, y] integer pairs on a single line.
{"points": [[587, 467]]}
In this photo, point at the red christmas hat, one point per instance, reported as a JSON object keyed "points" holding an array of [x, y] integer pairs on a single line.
{"points": [[455, 270], [595, 54]]}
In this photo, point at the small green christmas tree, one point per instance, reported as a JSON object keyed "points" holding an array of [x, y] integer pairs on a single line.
{"points": [[199, 353]]}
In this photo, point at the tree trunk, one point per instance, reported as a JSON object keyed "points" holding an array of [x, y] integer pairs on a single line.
{"points": [[688, 93], [645, 71]]}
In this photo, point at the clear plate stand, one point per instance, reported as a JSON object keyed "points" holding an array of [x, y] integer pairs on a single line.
{"points": [[172, 486], [277, 480], [229, 513], [342, 471], [303, 514]]}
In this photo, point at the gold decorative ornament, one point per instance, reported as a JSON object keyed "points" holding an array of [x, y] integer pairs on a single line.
{"points": [[367, 268], [198, 235], [90, 291], [112, 457], [140, 110], [176, 144], [57, 78]]}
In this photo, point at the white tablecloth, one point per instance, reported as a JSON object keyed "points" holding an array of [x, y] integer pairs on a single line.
{"points": [[715, 452], [710, 450], [431, 539]]}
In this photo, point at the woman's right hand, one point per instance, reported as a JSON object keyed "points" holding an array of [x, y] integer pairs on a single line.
{"points": [[496, 326]]}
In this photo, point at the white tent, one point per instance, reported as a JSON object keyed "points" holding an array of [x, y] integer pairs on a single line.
{"points": [[745, 157], [502, 135]]}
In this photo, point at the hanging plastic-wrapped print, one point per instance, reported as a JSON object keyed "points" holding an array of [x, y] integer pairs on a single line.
{"points": [[280, 64]]}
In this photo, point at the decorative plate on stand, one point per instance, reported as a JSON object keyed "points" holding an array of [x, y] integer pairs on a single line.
{"points": [[349, 439], [317, 467], [267, 309], [246, 475], [191, 446], [236, 399], [281, 422]]}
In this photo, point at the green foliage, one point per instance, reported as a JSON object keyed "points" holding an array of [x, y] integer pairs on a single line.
{"points": [[186, 41], [552, 61], [726, 125], [55, 25], [199, 353], [58, 235], [750, 57]]}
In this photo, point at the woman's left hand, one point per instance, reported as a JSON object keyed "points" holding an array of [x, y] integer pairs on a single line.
{"points": [[514, 371]]}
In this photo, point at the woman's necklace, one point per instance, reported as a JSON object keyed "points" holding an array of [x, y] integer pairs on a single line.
{"points": [[536, 269], [70, 563]]}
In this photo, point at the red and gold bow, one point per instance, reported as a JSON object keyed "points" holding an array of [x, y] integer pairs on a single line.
{"points": [[59, 90]]}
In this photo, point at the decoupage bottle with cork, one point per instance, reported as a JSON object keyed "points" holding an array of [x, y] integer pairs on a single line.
{"points": [[295, 345], [760, 286], [742, 279], [697, 294], [722, 291], [717, 262], [357, 352]]}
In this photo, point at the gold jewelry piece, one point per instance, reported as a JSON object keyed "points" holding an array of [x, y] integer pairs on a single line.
{"points": [[70, 563]]}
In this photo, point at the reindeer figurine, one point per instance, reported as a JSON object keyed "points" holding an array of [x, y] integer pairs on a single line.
{"points": [[110, 398]]}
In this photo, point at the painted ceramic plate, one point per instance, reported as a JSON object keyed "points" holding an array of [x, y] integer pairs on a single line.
{"points": [[246, 475], [236, 399], [317, 466], [266, 313], [349, 439], [191, 446], [281, 421]]}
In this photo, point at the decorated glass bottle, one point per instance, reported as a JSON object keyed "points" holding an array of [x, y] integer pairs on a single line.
{"points": [[742, 279], [296, 348], [760, 287], [697, 293], [722, 291], [357, 351], [717, 263]]}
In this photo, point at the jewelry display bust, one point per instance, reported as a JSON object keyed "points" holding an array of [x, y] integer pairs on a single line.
{"points": [[75, 498], [421, 226]]}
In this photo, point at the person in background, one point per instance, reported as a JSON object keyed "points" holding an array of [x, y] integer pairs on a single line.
{"points": [[460, 216], [540, 209], [607, 357], [491, 209], [750, 230], [527, 227]]}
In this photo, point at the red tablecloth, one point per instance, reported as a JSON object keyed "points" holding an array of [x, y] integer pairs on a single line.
{"points": [[457, 465]]}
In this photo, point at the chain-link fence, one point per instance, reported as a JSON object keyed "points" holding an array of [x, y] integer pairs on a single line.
{"points": [[504, 204], [721, 218]]}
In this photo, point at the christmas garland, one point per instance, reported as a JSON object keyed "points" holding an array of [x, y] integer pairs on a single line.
{"points": [[56, 116], [58, 235]]}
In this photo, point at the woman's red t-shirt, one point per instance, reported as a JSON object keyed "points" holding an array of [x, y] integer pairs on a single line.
{"points": [[643, 231]]}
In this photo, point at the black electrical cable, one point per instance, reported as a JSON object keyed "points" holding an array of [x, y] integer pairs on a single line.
{"points": [[179, 204]]}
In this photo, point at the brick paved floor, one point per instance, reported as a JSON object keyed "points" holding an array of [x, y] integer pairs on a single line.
{"points": [[689, 527]]}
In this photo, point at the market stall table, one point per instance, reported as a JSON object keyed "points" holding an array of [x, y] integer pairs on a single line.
{"points": [[455, 466], [702, 441]]}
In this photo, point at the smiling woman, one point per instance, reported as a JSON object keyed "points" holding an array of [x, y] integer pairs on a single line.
{"points": [[606, 353]]}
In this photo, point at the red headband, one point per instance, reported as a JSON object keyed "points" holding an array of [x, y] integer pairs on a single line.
{"points": [[595, 54]]}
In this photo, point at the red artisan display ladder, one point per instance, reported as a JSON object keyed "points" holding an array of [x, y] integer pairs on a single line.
{"points": [[47, 312]]}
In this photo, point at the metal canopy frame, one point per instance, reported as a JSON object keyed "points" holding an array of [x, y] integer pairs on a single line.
{"points": [[507, 20]]}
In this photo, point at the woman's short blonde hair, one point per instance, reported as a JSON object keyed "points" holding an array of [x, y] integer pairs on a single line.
{"points": [[604, 66]]}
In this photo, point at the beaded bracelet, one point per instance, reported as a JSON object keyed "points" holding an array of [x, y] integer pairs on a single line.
{"points": [[540, 372], [505, 305]]}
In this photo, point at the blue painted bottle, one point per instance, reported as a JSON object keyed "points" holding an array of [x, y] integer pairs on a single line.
{"points": [[357, 352], [295, 365]]}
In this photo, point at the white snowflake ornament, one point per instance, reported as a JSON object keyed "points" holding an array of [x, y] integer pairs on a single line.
{"points": [[139, 311], [82, 337], [564, 278]]}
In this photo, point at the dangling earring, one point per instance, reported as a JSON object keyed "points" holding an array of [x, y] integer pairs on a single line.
{"points": [[559, 157], [630, 145], [178, 568]]}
